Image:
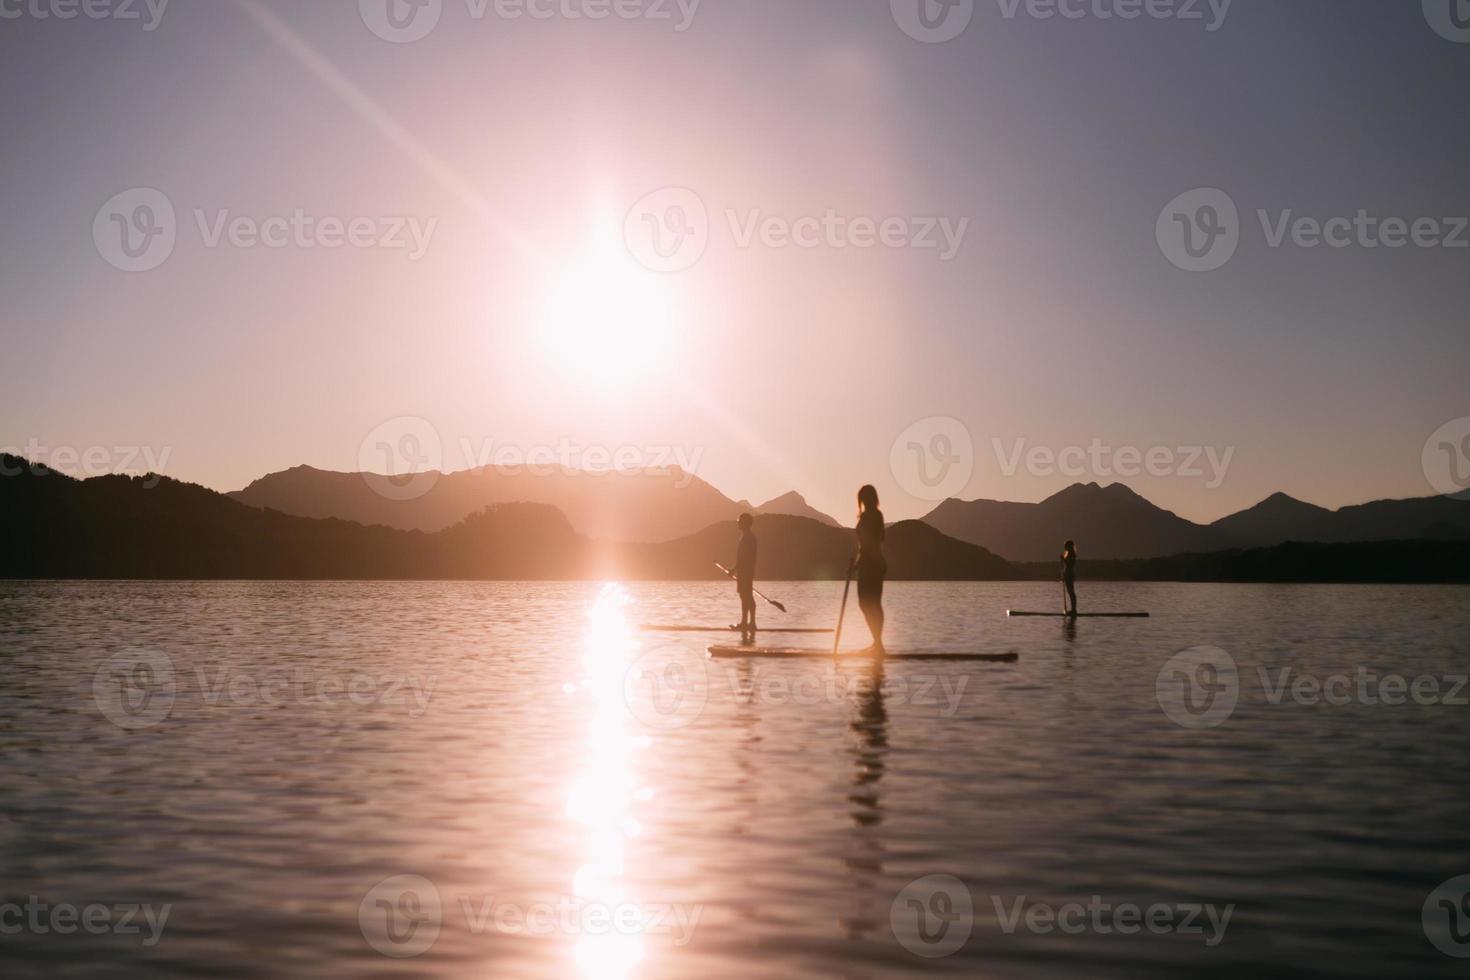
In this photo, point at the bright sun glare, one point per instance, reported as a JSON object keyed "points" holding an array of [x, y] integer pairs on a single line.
{"points": [[606, 320]]}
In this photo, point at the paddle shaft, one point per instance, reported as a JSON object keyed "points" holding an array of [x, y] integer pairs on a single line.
{"points": [[756, 591], [842, 613]]}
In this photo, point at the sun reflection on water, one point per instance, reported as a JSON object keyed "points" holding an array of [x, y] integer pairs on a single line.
{"points": [[603, 794]]}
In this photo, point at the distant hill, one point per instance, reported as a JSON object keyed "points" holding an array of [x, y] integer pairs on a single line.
{"points": [[1276, 519], [794, 504], [55, 526], [1108, 523], [1114, 523], [655, 505]]}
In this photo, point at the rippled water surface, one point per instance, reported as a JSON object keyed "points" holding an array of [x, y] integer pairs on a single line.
{"points": [[504, 780]]}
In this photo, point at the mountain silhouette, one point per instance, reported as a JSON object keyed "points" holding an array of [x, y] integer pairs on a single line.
{"points": [[1113, 523], [794, 504], [1107, 522], [1276, 519], [654, 505], [56, 526]]}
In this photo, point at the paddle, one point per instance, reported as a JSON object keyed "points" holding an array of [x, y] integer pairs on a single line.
{"points": [[756, 591], [842, 613]]}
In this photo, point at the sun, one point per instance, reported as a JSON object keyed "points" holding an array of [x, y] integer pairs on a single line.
{"points": [[607, 321]]}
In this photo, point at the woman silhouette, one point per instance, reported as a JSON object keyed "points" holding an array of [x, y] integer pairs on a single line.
{"points": [[870, 565]]}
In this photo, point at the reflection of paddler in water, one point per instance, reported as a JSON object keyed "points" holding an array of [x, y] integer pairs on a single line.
{"points": [[870, 565], [869, 754]]}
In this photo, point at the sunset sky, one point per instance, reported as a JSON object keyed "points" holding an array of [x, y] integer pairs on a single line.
{"points": [[519, 150]]}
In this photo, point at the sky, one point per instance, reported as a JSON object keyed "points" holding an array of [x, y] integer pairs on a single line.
{"points": [[791, 245]]}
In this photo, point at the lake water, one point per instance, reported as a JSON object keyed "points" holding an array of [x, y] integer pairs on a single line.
{"points": [[505, 780]]}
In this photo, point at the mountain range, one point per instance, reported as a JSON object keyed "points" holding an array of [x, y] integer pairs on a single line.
{"points": [[649, 506], [55, 526], [1114, 523], [109, 527]]}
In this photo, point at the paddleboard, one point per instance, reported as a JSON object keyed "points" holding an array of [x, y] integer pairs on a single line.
{"points": [[783, 653], [720, 629], [1012, 612]]}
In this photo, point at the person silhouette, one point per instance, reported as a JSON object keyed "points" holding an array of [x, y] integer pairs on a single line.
{"points": [[870, 565], [1069, 578], [745, 553]]}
